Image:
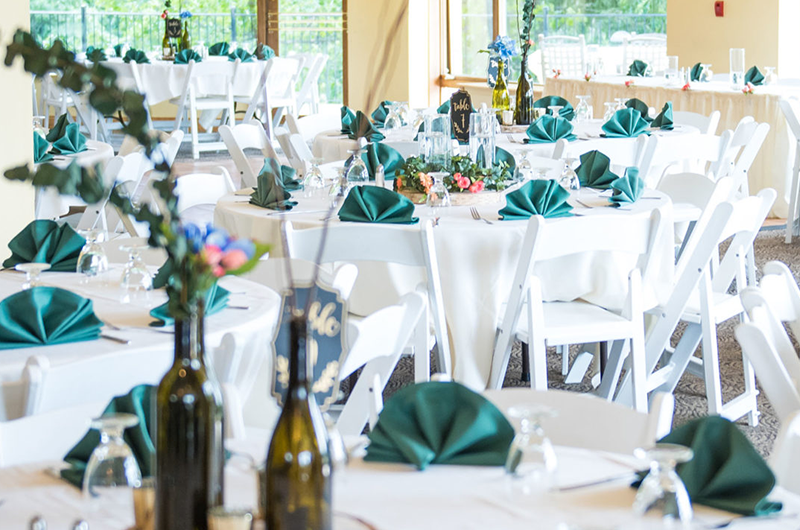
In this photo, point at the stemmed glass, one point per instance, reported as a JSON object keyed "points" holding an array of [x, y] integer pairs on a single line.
{"points": [[112, 471], [540, 173], [393, 120], [32, 272], [583, 111], [531, 463], [663, 488], [611, 109], [136, 279], [555, 110], [314, 181], [438, 196], [569, 179], [620, 103], [92, 260], [770, 77], [357, 173], [523, 172], [38, 125], [706, 74], [339, 187]]}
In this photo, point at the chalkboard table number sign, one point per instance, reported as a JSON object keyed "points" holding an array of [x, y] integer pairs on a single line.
{"points": [[460, 109], [174, 28]]}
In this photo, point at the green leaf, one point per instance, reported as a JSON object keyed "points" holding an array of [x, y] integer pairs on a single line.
{"points": [[19, 173]]}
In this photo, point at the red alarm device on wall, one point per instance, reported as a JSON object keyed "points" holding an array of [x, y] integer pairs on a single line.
{"points": [[719, 8]]}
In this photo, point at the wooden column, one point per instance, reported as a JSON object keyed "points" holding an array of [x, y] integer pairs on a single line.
{"points": [[268, 25], [345, 56]]}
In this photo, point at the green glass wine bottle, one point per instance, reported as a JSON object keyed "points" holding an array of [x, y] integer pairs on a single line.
{"points": [[299, 475], [189, 434], [186, 41], [166, 44], [500, 99], [523, 111]]}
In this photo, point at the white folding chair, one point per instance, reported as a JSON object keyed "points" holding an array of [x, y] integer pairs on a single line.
{"points": [[583, 420], [648, 47], [706, 124], [745, 144], [247, 136], [390, 244], [308, 94], [784, 460], [198, 194], [791, 110], [539, 324], [680, 153], [295, 160], [257, 101], [281, 79], [560, 52], [312, 125], [622, 153]]}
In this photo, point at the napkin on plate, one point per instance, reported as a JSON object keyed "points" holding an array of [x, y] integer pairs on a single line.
{"points": [[137, 56], [361, 127], [264, 52], [665, 118], [754, 76], [640, 106], [138, 402], [627, 189], [371, 204], [72, 142], [637, 68], [380, 153], [536, 197], [188, 55], [286, 177], [626, 123], [58, 129], [96, 55], [440, 423], [40, 149], [501, 155], [595, 171], [46, 315], [348, 117], [118, 49], [726, 472], [216, 300], [241, 54], [696, 71], [44, 241], [220, 48], [549, 129], [549, 101], [270, 192], [379, 114]]}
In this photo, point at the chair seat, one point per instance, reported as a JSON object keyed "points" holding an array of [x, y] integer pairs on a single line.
{"points": [[577, 322], [725, 306]]}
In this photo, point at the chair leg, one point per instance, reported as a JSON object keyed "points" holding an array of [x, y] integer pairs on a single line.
{"points": [[538, 364], [639, 373], [711, 367], [525, 376], [751, 390], [564, 352], [195, 139]]}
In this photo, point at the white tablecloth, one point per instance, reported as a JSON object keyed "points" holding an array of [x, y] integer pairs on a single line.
{"points": [[150, 352], [477, 263], [772, 168]]}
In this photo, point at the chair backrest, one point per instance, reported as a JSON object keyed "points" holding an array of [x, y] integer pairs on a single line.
{"points": [[216, 70], [152, 257], [246, 136], [650, 48], [582, 420], [744, 146], [560, 52], [309, 89], [791, 111], [706, 124], [300, 148], [282, 75], [203, 188], [783, 460], [673, 153], [313, 124], [623, 152], [782, 293], [289, 152], [258, 99]]}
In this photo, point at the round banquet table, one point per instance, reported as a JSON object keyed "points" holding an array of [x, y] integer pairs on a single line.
{"points": [[51, 205], [398, 497], [150, 352], [477, 263]]}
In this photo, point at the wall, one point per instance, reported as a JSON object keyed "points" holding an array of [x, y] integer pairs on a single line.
{"points": [[16, 136]]}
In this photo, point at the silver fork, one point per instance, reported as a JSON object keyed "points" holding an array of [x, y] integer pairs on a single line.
{"points": [[477, 215]]}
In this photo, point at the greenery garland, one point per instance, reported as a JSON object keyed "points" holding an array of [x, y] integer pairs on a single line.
{"points": [[464, 176]]}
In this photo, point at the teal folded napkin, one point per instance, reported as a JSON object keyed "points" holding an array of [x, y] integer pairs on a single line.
{"points": [[46, 315], [241, 54], [640, 106], [270, 192], [72, 142], [595, 171], [754, 76], [220, 48], [361, 127], [440, 423], [139, 402], [626, 123], [188, 55], [726, 473], [348, 117], [549, 129], [286, 177], [371, 204], [380, 153], [567, 112], [665, 119], [536, 197], [637, 68], [96, 54], [216, 299], [137, 56], [118, 49], [696, 72], [40, 149], [501, 155], [627, 189], [444, 108], [264, 52], [44, 241], [58, 129], [379, 114]]}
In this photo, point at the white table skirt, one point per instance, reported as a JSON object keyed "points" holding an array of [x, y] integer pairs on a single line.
{"points": [[773, 166], [150, 352], [397, 497], [477, 264]]}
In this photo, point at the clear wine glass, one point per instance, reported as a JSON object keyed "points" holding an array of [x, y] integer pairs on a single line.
{"points": [[620, 103], [583, 111], [540, 173], [136, 278], [706, 74], [339, 187], [523, 172], [569, 179], [112, 472], [357, 173], [611, 109], [531, 463], [314, 180], [32, 272], [438, 196], [393, 120], [39, 125], [92, 261], [555, 110], [770, 77], [663, 489]]}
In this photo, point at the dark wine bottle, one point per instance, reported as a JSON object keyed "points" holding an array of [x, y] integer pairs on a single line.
{"points": [[189, 435], [299, 475], [523, 112], [166, 43]]}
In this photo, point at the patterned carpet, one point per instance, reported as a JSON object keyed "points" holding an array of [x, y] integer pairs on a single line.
{"points": [[690, 397]]}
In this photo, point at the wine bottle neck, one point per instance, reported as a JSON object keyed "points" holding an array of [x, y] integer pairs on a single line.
{"points": [[298, 358], [189, 343]]}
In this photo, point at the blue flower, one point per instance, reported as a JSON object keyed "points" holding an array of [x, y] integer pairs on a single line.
{"points": [[217, 237], [505, 47], [194, 236], [186, 14], [245, 245]]}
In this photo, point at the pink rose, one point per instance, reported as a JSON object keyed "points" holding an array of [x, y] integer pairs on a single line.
{"points": [[233, 259], [218, 271], [477, 187], [213, 255], [463, 182]]}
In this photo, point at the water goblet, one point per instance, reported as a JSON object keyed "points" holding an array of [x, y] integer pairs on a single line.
{"points": [[540, 173], [569, 179], [136, 279], [770, 77], [620, 103], [357, 173], [92, 261], [339, 187], [555, 110], [531, 463], [438, 196], [393, 120], [523, 171], [662, 488], [314, 180], [32, 272], [706, 74], [39, 125], [112, 472], [583, 111], [611, 109]]}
